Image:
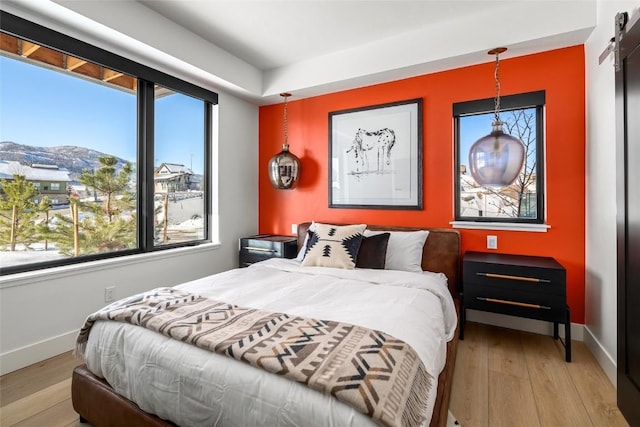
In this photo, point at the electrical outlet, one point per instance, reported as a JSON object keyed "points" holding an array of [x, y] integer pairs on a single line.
{"points": [[492, 242], [294, 228], [109, 294]]}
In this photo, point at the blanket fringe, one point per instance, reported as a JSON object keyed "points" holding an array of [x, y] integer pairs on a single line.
{"points": [[414, 413], [80, 349]]}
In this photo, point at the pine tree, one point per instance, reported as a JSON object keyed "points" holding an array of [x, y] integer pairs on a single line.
{"points": [[102, 227], [109, 183], [17, 212], [44, 207]]}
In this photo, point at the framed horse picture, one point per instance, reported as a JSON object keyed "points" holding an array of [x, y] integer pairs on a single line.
{"points": [[375, 156]]}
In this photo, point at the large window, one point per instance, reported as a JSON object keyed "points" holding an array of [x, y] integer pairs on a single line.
{"points": [[179, 167], [100, 156], [521, 201]]}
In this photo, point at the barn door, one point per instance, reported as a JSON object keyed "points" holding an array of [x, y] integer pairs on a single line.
{"points": [[628, 222]]}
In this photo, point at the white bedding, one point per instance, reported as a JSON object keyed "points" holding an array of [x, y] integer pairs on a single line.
{"points": [[193, 387]]}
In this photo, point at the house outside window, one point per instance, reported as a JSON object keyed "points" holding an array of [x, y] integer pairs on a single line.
{"points": [[521, 201], [95, 162]]}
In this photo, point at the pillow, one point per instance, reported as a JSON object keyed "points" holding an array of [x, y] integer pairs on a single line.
{"points": [[334, 246], [404, 251], [303, 248], [373, 251]]}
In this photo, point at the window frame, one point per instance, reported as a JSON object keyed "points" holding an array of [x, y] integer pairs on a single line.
{"points": [[147, 78], [520, 101]]}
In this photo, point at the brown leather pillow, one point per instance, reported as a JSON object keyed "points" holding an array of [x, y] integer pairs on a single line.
{"points": [[373, 251]]}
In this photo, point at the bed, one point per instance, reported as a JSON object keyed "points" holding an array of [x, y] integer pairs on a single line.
{"points": [[125, 356]]}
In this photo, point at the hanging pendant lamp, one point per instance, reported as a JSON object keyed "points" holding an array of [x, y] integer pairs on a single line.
{"points": [[495, 160], [284, 167]]}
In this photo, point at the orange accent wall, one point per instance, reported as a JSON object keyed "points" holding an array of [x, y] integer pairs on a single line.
{"points": [[561, 73]]}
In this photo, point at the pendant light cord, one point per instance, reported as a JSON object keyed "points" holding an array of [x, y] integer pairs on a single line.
{"points": [[496, 76], [286, 123]]}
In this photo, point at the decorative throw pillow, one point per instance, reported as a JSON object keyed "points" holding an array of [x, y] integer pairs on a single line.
{"points": [[303, 250], [334, 246], [373, 251], [404, 251]]}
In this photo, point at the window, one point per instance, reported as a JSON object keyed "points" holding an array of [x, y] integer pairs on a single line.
{"points": [[127, 146], [523, 200], [179, 185]]}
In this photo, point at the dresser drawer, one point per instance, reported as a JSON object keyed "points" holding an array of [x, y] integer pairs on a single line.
{"points": [[515, 301], [506, 277], [272, 248], [248, 258]]}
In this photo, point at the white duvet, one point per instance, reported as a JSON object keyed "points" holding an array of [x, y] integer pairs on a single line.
{"points": [[194, 387]]}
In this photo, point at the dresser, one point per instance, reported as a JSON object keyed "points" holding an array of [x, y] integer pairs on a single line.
{"points": [[264, 246], [518, 285]]}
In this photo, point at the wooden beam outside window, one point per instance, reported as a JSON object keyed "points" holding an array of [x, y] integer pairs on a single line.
{"points": [[73, 63], [27, 48], [108, 75]]}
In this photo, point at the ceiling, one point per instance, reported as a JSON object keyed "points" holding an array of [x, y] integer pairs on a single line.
{"points": [[257, 49], [320, 38], [271, 34]]}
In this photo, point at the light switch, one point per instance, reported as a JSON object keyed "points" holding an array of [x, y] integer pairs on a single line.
{"points": [[492, 242]]}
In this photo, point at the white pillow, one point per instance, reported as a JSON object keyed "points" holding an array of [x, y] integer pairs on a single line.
{"points": [[303, 249], [404, 251]]}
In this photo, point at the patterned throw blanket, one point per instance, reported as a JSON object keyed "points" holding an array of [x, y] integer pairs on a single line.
{"points": [[373, 372]]}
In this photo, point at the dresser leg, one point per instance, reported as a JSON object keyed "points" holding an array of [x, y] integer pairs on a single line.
{"points": [[567, 336], [463, 318], [555, 331]]}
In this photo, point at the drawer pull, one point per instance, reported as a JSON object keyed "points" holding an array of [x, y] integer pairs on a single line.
{"points": [[253, 248], [521, 278], [520, 304]]}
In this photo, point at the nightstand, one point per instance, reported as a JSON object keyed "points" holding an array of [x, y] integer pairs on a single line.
{"points": [[264, 246], [518, 285]]}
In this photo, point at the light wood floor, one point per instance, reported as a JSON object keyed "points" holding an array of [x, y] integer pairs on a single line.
{"points": [[510, 378], [502, 378]]}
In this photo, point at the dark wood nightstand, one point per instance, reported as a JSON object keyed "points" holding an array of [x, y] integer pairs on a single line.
{"points": [[264, 246], [518, 285]]}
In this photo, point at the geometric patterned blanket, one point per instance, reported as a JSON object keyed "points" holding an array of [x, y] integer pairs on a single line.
{"points": [[371, 371]]}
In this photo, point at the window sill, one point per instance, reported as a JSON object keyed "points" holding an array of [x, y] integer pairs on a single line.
{"points": [[471, 225], [30, 277]]}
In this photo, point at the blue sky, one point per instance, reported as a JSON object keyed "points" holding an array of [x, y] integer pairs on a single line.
{"points": [[47, 108]]}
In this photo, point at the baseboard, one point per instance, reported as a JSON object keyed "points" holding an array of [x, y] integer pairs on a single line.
{"points": [[608, 364], [37, 352], [523, 324]]}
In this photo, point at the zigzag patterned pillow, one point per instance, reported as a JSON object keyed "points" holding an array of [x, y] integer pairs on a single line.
{"points": [[334, 246]]}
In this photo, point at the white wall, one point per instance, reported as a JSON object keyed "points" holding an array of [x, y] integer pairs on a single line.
{"points": [[41, 312], [600, 287]]}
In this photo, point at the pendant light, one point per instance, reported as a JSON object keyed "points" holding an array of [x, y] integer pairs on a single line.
{"points": [[284, 167], [495, 160]]}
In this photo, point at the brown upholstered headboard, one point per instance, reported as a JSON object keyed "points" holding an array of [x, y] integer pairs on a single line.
{"points": [[441, 251]]}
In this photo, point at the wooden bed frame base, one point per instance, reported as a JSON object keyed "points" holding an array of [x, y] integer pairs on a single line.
{"points": [[97, 403]]}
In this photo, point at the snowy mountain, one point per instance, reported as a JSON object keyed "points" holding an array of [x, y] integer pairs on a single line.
{"points": [[72, 158]]}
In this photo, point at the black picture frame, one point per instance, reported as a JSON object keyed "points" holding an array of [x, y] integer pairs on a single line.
{"points": [[375, 157]]}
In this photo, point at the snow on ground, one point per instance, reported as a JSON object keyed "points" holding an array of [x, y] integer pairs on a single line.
{"points": [[184, 210], [23, 256]]}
